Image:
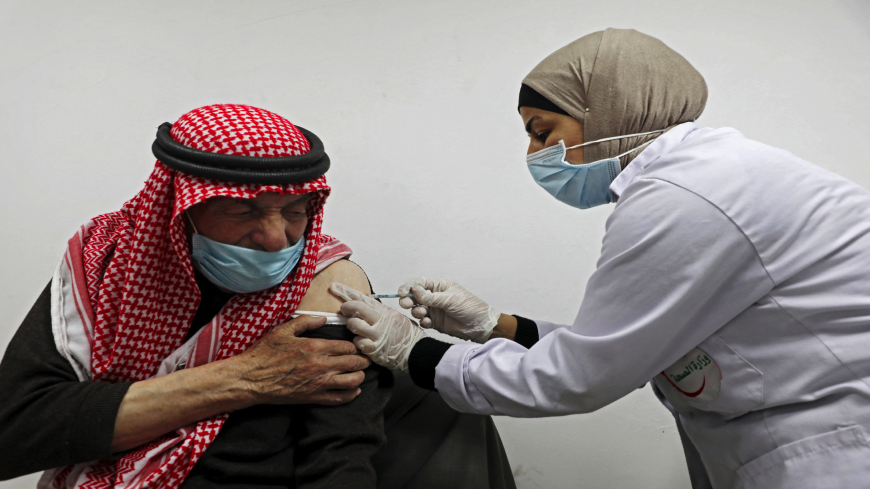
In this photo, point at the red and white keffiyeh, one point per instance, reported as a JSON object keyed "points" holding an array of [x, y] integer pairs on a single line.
{"points": [[124, 293]]}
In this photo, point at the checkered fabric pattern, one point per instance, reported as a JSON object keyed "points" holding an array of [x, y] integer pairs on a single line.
{"points": [[141, 285]]}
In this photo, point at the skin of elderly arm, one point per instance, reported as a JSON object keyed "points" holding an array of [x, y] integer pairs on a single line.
{"points": [[319, 298], [280, 368]]}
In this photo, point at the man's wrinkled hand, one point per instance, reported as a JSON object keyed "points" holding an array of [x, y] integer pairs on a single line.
{"points": [[282, 368]]}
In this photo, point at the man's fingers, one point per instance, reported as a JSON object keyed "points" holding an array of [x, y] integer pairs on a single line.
{"points": [[349, 363], [335, 348], [357, 309], [347, 381], [297, 326], [334, 397], [426, 322]]}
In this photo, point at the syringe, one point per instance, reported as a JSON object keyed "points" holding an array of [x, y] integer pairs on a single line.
{"points": [[388, 296]]}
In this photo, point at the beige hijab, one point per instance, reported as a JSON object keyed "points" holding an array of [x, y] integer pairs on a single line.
{"points": [[618, 82]]}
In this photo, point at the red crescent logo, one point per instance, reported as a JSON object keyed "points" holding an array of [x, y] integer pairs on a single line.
{"points": [[688, 394]]}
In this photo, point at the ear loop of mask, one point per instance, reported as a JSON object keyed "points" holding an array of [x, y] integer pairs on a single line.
{"points": [[635, 149], [620, 137], [190, 220]]}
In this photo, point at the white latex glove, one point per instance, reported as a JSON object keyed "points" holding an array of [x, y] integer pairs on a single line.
{"points": [[383, 334], [447, 307]]}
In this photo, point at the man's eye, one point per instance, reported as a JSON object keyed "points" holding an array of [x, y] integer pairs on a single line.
{"points": [[290, 216], [542, 136]]}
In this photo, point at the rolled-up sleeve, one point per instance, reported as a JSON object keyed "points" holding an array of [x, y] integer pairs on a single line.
{"points": [[673, 270]]}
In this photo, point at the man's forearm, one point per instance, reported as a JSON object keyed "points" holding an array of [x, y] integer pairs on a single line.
{"points": [[158, 406], [279, 368]]}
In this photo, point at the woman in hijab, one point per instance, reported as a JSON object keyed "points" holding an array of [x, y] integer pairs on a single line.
{"points": [[732, 274]]}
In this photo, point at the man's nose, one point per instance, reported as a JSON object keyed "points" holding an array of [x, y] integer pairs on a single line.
{"points": [[272, 235]]}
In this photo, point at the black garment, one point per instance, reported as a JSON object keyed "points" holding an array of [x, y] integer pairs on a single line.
{"points": [[52, 419], [527, 332], [307, 445], [211, 301], [260, 446], [431, 446], [49, 419]]}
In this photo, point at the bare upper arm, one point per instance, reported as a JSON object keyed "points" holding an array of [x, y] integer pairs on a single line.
{"points": [[319, 298]]}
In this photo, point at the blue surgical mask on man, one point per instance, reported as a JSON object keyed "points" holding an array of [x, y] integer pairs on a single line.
{"points": [[243, 270], [581, 186]]}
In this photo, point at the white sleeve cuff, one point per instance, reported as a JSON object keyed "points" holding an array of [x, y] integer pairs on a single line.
{"points": [[546, 327], [453, 383]]}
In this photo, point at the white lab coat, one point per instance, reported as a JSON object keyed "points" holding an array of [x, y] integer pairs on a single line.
{"points": [[738, 277]]}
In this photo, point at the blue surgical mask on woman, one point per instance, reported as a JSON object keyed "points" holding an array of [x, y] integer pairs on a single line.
{"points": [[581, 186], [243, 270]]}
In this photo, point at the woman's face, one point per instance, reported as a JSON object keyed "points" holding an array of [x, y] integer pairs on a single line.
{"points": [[547, 128]]}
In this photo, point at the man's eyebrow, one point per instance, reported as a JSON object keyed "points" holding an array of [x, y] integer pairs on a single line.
{"points": [[529, 124], [245, 202], [302, 198]]}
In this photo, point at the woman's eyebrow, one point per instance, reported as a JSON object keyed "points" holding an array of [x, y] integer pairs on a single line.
{"points": [[529, 123]]}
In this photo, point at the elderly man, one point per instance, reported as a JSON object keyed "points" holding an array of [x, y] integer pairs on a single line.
{"points": [[163, 353]]}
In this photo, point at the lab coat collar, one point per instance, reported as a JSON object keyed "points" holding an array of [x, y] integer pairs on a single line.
{"points": [[663, 144]]}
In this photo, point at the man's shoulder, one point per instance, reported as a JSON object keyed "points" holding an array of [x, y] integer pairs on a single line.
{"points": [[319, 298]]}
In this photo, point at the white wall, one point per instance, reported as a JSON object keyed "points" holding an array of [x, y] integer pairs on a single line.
{"points": [[416, 103]]}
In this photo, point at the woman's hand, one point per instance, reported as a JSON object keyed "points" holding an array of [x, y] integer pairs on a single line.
{"points": [[447, 307], [385, 335]]}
